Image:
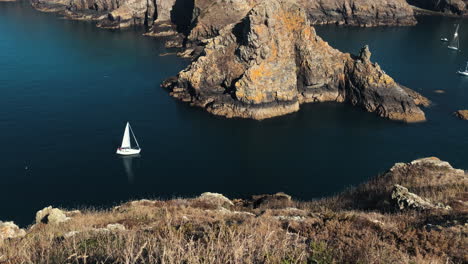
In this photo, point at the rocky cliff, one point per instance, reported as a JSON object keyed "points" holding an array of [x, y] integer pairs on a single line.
{"points": [[416, 212], [272, 61], [211, 16], [111, 13], [453, 7]]}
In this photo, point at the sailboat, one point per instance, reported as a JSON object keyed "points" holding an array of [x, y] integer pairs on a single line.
{"points": [[455, 43], [465, 72], [126, 147]]}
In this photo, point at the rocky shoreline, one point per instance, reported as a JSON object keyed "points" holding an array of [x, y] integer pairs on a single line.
{"points": [[415, 212]]}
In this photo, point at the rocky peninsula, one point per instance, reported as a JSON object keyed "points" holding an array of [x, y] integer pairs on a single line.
{"points": [[415, 212]]}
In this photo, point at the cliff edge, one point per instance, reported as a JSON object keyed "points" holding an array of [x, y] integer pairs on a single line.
{"points": [[416, 212]]}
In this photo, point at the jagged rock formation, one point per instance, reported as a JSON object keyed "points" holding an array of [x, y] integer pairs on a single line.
{"points": [[407, 200], [462, 114], [454, 7], [272, 61]]}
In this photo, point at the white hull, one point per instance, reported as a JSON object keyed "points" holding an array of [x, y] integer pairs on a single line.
{"points": [[128, 151], [452, 48], [464, 73], [444, 39]]}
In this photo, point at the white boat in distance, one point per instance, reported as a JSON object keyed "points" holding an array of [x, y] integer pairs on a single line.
{"points": [[444, 39], [455, 43], [126, 147], [465, 72]]}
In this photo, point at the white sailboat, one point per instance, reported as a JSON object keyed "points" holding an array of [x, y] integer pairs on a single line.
{"points": [[126, 147], [465, 72], [455, 43]]}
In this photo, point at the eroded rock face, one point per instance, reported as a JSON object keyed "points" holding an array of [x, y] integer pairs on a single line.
{"points": [[111, 13], [359, 12], [455, 7], [271, 61], [407, 200]]}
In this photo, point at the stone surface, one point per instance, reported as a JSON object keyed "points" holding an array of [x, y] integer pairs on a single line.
{"points": [[272, 61], [454, 7], [407, 200], [10, 230], [50, 215], [462, 114], [214, 200]]}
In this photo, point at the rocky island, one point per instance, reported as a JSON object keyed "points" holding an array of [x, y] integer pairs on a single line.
{"points": [[415, 212], [260, 59], [272, 61]]}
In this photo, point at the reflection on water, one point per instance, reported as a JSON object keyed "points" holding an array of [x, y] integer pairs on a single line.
{"points": [[127, 162]]}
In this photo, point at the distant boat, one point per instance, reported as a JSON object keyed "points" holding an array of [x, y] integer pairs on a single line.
{"points": [[126, 147], [465, 72], [455, 43], [444, 39]]}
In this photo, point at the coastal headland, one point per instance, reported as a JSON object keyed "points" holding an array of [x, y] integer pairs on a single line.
{"points": [[415, 212]]}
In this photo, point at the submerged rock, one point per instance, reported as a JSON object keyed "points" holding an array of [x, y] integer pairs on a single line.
{"points": [[272, 61], [51, 215]]}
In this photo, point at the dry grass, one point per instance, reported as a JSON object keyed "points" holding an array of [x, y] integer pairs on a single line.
{"points": [[357, 226]]}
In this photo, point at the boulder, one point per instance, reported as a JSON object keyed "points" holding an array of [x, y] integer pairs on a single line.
{"points": [[407, 200], [213, 200], [10, 230], [50, 215]]}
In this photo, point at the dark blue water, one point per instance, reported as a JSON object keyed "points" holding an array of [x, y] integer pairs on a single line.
{"points": [[67, 89]]}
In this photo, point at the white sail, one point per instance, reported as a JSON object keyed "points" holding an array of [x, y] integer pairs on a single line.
{"points": [[126, 137]]}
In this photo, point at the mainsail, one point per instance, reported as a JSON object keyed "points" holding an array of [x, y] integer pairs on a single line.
{"points": [[126, 137]]}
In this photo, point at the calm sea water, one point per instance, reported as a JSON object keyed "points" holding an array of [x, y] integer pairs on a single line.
{"points": [[67, 89]]}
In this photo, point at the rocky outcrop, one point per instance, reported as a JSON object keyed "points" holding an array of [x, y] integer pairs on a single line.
{"points": [[407, 200], [111, 13], [272, 61], [462, 114], [10, 230], [452, 7], [51, 215]]}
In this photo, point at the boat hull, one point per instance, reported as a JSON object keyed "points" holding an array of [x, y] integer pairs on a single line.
{"points": [[465, 73], [128, 152], [452, 48]]}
